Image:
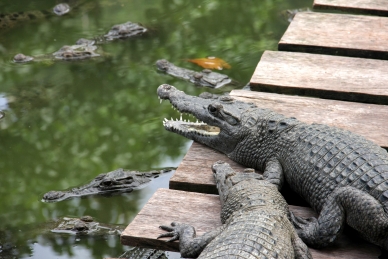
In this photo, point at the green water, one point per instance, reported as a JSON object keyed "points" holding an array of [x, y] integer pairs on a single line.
{"points": [[66, 122]]}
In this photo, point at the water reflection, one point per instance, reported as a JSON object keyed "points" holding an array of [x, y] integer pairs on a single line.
{"points": [[67, 122]]}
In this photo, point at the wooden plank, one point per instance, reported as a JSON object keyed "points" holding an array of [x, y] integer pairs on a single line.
{"points": [[368, 120], [324, 76], [194, 173], [203, 212], [375, 7], [337, 34]]}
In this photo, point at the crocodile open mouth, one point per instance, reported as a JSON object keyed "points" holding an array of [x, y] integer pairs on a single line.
{"points": [[185, 126]]}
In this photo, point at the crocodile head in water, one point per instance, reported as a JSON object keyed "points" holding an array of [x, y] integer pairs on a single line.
{"points": [[85, 225], [124, 30], [206, 77], [117, 181], [68, 52]]}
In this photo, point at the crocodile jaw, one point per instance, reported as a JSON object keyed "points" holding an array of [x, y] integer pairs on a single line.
{"points": [[208, 130]]}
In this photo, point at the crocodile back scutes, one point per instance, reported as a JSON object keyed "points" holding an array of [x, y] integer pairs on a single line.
{"points": [[323, 158]]}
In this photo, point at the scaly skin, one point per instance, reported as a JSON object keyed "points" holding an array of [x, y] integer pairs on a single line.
{"points": [[255, 222], [343, 176], [117, 181], [205, 78], [12, 19]]}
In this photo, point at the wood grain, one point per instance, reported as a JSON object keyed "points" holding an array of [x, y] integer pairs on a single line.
{"points": [[194, 172], [375, 7], [368, 120], [203, 212], [337, 34], [324, 76]]}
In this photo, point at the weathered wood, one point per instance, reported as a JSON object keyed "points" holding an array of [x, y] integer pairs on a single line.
{"points": [[324, 76], [337, 34], [194, 173], [374, 7], [368, 120], [203, 212]]}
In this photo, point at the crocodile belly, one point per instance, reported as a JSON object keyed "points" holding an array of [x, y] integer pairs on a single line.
{"points": [[325, 158]]}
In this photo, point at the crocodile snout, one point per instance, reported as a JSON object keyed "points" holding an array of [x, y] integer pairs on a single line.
{"points": [[165, 90]]}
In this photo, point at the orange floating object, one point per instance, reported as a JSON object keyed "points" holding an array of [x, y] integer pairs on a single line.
{"points": [[210, 63]]}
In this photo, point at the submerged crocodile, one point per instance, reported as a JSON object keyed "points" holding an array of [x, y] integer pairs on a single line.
{"points": [[117, 181], [67, 52], [85, 225], [255, 220], [343, 176], [12, 19], [86, 48], [206, 77]]}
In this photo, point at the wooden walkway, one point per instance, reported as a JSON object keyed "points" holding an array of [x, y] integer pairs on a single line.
{"points": [[375, 7], [323, 76], [337, 34], [340, 58]]}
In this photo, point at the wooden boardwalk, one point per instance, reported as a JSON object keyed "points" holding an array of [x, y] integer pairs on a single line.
{"points": [[375, 7], [203, 212], [337, 34], [339, 58], [323, 76]]}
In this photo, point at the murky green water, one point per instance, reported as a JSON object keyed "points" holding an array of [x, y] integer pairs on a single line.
{"points": [[66, 122]]}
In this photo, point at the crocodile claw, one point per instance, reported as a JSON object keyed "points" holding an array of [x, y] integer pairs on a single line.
{"points": [[173, 232]]}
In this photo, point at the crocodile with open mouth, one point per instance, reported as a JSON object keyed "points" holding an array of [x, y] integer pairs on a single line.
{"points": [[343, 176], [117, 181]]}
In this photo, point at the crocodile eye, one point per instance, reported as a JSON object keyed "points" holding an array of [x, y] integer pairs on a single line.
{"points": [[106, 182], [212, 109]]}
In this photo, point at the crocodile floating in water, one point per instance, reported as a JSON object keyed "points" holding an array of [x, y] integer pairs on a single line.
{"points": [[117, 181], [73, 52], [255, 220], [85, 226], [12, 19], [86, 48], [343, 176], [206, 77]]}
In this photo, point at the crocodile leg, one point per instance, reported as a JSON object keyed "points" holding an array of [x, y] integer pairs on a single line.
{"points": [[361, 211], [300, 248], [190, 246], [273, 172]]}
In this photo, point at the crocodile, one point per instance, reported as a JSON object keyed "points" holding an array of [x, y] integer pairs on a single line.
{"points": [[343, 176], [86, 48], [12, 19], [85, 225], [205, 78], [255, 219], [67, 52], [117, 181]]}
